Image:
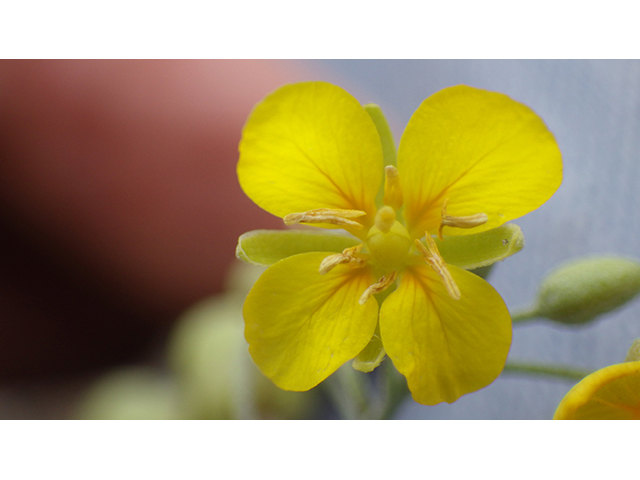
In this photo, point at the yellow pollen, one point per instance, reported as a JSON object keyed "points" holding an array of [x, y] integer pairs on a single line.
{"points": [[392, 188], [334, 216], [348, 255], [385, 218], [378, 287], [432, 256], [468, 221]]}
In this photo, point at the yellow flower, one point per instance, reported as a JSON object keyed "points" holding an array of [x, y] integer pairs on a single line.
{"points": [[612, 393], [468, 161]]}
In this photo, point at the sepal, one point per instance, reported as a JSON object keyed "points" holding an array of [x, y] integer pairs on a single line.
{"points": [[266, 247], [371, 356], [482, 249]]}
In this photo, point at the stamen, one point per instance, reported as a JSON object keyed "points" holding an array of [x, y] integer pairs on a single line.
{"points": [[379, 287], [392, 188], [432, 256], [334, 216], [348, 255], [468, 221]]}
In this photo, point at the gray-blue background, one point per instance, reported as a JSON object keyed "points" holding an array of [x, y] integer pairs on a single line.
{"points": [[593, 108]]}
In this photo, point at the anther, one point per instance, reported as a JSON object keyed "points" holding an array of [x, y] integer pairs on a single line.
{"points": [[378, 287], [348, 255], [468, 221], [432, 256], [392, 188], [334, 216]]}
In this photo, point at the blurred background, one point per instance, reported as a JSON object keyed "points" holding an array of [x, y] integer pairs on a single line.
{"points": [[120, 211]]}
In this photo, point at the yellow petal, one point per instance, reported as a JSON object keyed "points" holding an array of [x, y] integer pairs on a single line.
{"points": [[481, 150], [302, 326], [308, 146], [612, 393], [446, 348]]}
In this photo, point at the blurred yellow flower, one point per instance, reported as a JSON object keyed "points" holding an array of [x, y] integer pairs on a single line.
{"points": [[468, 161], [612, 393]]}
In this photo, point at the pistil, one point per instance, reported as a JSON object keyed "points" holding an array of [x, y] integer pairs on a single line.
{"points": [[385, 218], [388, 241]]}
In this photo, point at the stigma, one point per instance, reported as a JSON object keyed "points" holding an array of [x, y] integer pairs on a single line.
{"points": [[385, 219]]}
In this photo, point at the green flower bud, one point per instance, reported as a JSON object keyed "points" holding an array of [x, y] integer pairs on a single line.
{"points": [[580, 290], [131, 393], [633, 355], [216, 376]]}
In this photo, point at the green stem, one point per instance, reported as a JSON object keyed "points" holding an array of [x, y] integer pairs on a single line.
{"points": [[559, 371], [348, 393], [395, 392], [356, 398], [524, 314]]}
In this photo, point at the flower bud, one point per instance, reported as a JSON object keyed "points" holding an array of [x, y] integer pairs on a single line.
{"points": [[209, 355], [131, 393], [579, 291]]}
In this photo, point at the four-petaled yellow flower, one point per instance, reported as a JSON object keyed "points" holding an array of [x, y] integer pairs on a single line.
{"points": [[611, 393], [468, 161]]}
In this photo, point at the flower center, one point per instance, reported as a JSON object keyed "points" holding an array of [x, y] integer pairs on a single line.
{"points": [[388, 241]]}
